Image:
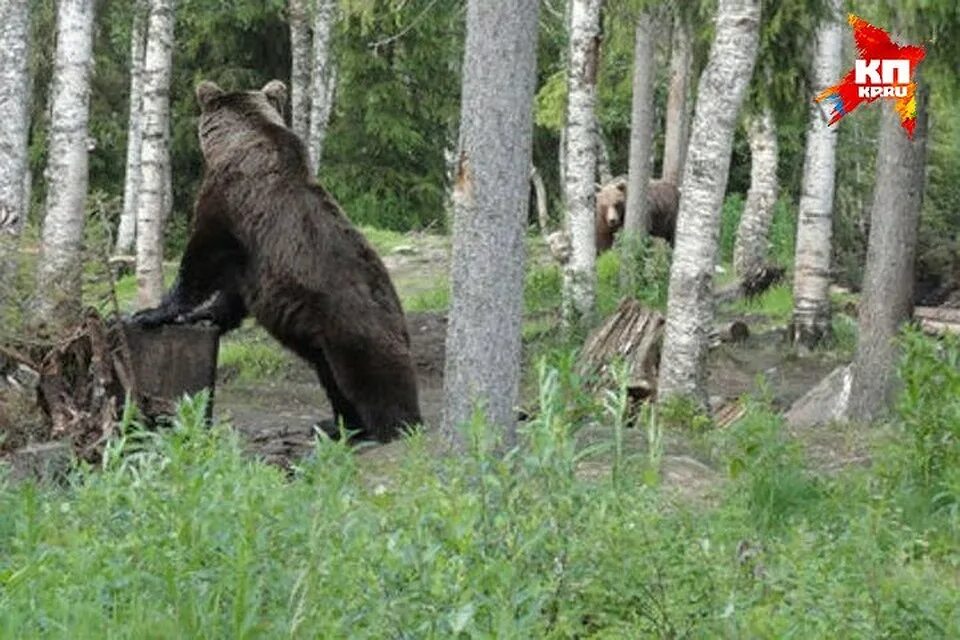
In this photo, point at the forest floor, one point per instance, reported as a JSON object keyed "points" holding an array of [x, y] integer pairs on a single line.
{"points": [[273, 399]]}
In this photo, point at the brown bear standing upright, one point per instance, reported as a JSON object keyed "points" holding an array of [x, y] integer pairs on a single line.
{"points": [[663, 201], [269, 241]]}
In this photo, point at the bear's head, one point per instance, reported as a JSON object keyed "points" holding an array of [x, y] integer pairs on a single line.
{"points": [[232, 121], [612, 203]]}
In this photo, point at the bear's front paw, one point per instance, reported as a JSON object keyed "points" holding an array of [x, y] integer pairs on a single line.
{"points": [[153, 318]]}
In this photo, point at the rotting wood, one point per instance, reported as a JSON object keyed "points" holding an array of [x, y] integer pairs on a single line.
{"points": [[632, 334]]}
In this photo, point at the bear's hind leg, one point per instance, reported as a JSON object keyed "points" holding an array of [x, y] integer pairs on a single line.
{"points": [[342, 408], [380, 381]]}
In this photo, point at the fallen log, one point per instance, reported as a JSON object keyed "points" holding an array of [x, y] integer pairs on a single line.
{"points": [[937, 320], [632, 334]]}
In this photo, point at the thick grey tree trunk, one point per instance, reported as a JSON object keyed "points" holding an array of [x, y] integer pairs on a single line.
{"points": [[677, 125], [690, 301], [155, 153], [636, 221], [127, 231], [581, 160], [323, 83], [750, 248], [300, 50], [14, 112], [811, 271], [887, 298], [58, 272], [491, 193]]}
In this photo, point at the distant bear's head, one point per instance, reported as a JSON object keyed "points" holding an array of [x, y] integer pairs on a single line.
{"points": [[611, 203], [231, 121]]}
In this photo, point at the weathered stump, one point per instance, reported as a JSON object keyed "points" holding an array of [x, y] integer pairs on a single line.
{"points": [[634, 334], [172, 361]]}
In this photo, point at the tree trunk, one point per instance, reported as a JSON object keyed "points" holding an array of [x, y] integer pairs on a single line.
{"points": [[637, 218], [811, 279], [155, 153], [677, 126], [126, 233], [750, 248], [690, 301], [300, 42], [887, 298], [58, 273], [323, 80], [14, 113], [14, 125], [540, 191], [491, 198], [581, 160]]}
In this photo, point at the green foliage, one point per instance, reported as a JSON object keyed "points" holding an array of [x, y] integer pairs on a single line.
{"points": [[182, 535], [729, 221], [436, 298], [397, 105], [639, 268], [929, 411], [783, 232], [250, 355], [776, 303]]}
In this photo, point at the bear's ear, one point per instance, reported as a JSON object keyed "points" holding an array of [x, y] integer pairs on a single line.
{"points": [[276, 93], [207, 92]]}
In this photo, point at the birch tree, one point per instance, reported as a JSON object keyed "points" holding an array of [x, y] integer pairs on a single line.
{"points": [[690, 300], [126, 232], [581, 159], [323, 81], [14, 113], [677, 124], [636, 221], [491, 193], [155, 152], [811, 279], [300, 50], [887, 298], [58, 272], [750, 247], [14, 125]]}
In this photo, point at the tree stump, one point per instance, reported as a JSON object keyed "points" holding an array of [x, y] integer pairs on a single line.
{"points": [[172, 361], [634, 334]]}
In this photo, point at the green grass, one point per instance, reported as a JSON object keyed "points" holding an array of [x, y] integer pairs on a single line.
{"points": [[181, 535], [776, 304], [384, 240], [249, 354], [435, 298]]}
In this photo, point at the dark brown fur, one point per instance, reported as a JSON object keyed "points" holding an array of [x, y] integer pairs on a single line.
{"points": [[663, 201], [270, 242]]}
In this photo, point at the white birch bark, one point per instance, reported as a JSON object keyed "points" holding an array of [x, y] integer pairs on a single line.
{"points": [[677, 124], [690, 300], [636, 217], [155, 152], [581, 160], [750, 247], [14, 112], [811, 279], [300, 50], [491, 192], [58, 272], [887, 298], [127, 231], [323, 80]]}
